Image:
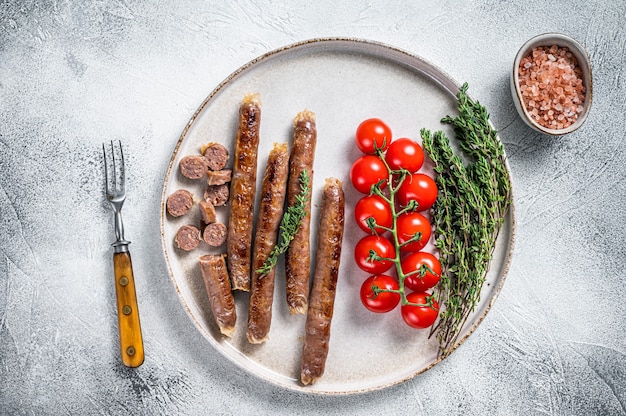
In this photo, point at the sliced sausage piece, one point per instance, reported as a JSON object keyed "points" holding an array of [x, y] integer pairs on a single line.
{"points": [[207, 212], [193, 167], [322, 302], [298, 255], [217, 195], [179, 203], [218, 177], [215, 276], [216, 156], [214, 234], [270, 214], [242, 193], [187, 238]]}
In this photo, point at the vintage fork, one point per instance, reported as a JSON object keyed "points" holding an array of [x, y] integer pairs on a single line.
{"points": [[131, 342]]}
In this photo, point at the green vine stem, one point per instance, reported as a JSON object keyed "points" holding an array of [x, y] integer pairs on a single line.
{"points": [[394, 180]]}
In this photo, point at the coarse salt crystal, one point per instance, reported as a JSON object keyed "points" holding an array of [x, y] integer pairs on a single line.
{"points": [[553, 83]]}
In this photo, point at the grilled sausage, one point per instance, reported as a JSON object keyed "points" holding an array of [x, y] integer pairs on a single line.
{"points": [[179, 203], [193, 167], [216, 156], [322, 302], [298, 255], [270, 214], [187, 238], [215, 276], [242, 193]]}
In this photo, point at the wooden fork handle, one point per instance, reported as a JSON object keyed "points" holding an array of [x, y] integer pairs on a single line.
{"points": [[131, 342]]}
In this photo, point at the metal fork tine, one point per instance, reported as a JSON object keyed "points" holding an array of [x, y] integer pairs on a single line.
{"points": [[106, 170], [114, 182], [122, 169]]}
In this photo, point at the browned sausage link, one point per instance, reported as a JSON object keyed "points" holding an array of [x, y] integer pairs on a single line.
{"points": [[270, 213], [298, 256], [322, 302], [242, 193], [215, 276]]}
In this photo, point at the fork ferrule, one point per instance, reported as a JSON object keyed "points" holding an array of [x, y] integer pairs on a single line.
{"points": [[120, 246]]}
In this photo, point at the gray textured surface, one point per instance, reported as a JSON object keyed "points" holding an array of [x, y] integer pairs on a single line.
{"points": [[73, 74]]}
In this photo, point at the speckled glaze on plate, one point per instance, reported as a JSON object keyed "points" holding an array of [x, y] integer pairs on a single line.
{"points": [[343, 81]]}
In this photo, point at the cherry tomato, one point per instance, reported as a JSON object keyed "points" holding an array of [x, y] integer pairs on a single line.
{"points": [[416, 267], [373, 206], [380, 302], [420, 316], [406, 154], [408, 225], [419, 187], [370, 132], [366, 171], [381, 246]]}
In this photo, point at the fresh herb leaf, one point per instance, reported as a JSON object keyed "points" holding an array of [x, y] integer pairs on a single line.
{"points": [[472, 203], [289, 224]]}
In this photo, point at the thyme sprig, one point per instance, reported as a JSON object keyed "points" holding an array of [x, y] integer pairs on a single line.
{"points": [[473, 200], [289, 224]]}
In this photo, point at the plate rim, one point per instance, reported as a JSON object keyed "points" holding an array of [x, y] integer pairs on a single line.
{"points": [[449, 84]]}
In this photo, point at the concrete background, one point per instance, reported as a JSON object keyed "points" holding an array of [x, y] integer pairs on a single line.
{"points": [[75, 74]]}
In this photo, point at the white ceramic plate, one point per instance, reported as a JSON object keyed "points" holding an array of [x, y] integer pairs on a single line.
{"points": [[343, 81]]}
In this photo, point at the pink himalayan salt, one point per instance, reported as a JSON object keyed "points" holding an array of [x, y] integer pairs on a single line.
{"points": [[551, 84]]}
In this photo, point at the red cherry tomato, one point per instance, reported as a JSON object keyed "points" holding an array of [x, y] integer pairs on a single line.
{"points": [[422, 271], [367, 171], [420, 316], [380, 302], [373, 134], [409, 225], [373, 206], [381, 246], [406, 154], [419, 187]]}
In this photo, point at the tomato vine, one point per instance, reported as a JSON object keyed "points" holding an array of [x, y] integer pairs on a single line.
{"points": [[394, 181]]}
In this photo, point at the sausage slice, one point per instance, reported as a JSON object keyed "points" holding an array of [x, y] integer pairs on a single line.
{"points": [[242, 193], [179, 203], [207, 212], [322, 302], [218, 177], [187, 237], [193, 167], [270, 214], [216, 156], [217, 195], [214, 234]]}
